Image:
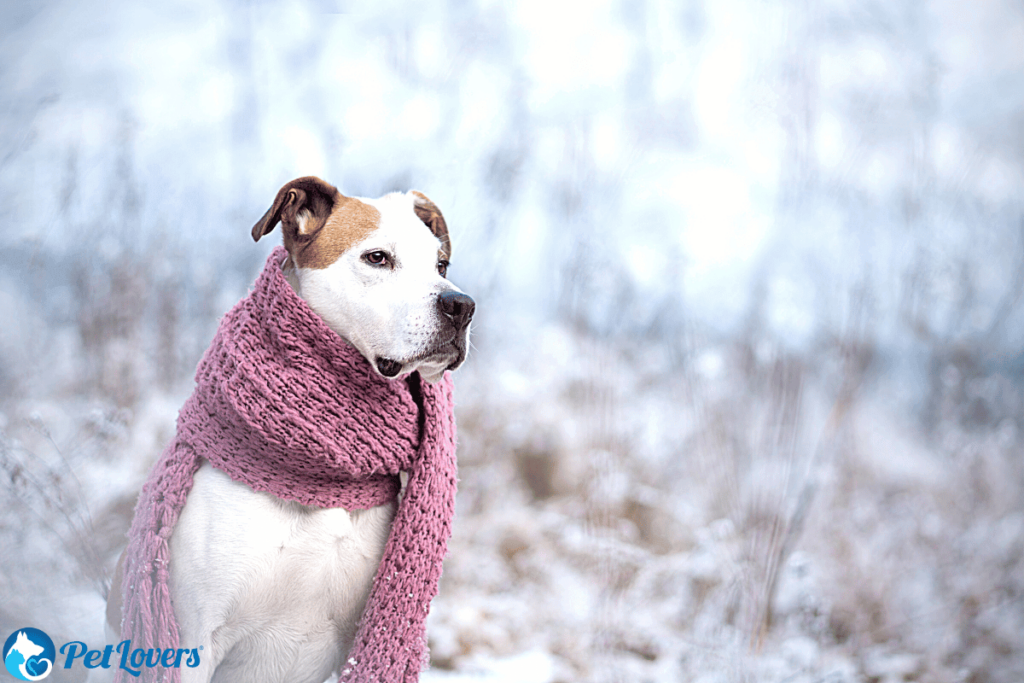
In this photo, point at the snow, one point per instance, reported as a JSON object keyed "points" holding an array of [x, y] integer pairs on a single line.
{"points": [[527, 667]]}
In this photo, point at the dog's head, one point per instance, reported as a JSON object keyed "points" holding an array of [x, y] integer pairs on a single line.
{"points": [[375, 271]]}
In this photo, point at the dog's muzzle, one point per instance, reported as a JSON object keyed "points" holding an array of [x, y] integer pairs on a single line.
{"points": [[455, 310], [458, 309]]}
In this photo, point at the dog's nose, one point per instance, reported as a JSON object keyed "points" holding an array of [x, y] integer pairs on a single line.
{"points": [[457, 306]]}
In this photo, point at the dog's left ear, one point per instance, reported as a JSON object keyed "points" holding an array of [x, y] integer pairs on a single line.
{"points": [[301, 207], [428, 212]]}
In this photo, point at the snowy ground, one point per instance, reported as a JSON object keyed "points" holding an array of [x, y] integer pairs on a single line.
{"points": [[716, 513], [745, 399]]}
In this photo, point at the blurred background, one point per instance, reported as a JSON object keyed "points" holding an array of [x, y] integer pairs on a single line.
{"points": [[745, 398]]}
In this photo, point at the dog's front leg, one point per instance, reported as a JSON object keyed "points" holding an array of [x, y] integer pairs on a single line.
{"points": [[203, 582], [197, 636]]}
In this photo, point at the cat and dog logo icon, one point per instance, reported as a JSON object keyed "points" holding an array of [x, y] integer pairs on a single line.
{"points": [[28, 654]]}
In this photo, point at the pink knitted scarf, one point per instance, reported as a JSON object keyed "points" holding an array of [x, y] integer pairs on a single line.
{"points": [[285, 405]]}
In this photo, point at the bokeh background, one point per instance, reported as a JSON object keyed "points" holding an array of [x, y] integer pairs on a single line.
{"points": [[745, 398]]}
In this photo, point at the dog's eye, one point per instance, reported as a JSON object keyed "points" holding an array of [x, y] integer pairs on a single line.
{"points": [[376, 258], [442, 268]]}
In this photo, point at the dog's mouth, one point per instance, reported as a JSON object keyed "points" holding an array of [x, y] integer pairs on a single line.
{"points": [[444, 356], [388, 367]]}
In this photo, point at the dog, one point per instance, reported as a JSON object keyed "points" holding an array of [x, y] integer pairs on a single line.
{"points": [[271, 589]]}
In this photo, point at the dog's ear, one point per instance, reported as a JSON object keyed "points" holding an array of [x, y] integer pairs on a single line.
{"points": [[301, 207], [428, 212]]}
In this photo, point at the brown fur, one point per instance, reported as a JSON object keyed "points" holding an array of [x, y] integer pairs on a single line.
{"points": [[431, 216], [309, 196], [319, 223], [350, 222]]}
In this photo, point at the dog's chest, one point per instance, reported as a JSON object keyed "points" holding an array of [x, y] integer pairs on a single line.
{"points": [[260, 574]]}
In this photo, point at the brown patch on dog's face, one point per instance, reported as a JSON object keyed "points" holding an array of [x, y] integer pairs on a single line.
{"points": [[428, 212], [349, 223], [319, 223]]}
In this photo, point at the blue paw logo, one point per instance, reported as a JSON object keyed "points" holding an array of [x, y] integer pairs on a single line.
{"points": [[28, 654]]}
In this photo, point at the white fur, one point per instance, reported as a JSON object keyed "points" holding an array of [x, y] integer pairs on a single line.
{"points": [[273, 590], [385, 312]]}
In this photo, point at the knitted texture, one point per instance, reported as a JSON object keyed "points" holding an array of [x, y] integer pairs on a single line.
{"points": [[286, 406]]}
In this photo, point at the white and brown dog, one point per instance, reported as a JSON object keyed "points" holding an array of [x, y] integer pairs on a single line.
{"points": [[255, 578]]}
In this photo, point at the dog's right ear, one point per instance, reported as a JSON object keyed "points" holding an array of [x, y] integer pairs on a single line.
{"points": [[301, 207]]}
